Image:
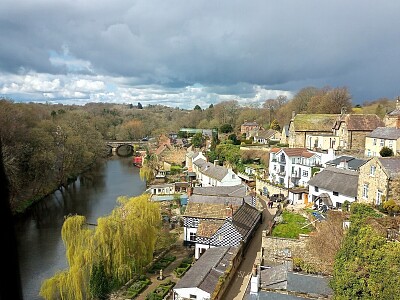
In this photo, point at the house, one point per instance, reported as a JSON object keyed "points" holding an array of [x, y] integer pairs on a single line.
{"points": [[333, 186], [377, 179], [346, 162], [292, 167], [215, 220], [392, 119], [321, 141], [212, 174], [302, 125], [246, 127], [192, 156], [264, 136], [353, 128], [382, 137], [203, 278]]}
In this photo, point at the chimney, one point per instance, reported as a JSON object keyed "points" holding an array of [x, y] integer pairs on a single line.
{"points": [[229, 211], [216, 162]]}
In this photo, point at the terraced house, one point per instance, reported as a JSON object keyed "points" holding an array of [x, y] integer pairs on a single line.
{"points": [[219, 218], [382, 137]]}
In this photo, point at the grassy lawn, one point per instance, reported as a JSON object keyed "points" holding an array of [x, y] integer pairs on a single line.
{"points": [[291, 226]]}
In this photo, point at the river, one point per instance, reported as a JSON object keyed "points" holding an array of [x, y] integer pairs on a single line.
{"points": [[40, 247]]}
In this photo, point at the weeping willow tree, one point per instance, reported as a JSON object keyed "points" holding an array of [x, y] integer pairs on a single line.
{"points": [[123, 243]]}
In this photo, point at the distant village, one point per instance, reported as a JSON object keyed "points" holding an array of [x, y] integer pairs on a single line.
{"points": [[324, 162]]}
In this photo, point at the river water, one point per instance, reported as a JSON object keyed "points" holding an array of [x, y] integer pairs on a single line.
{"points": [[40, 247]]}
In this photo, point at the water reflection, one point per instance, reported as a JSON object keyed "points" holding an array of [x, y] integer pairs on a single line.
{"points": [[94, 194]]}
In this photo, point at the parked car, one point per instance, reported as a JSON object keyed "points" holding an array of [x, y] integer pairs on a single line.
{"points": [[277, 197]]}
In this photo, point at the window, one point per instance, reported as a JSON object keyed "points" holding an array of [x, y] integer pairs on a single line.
{"points": [[374, 142], [192, 236], [305, 173], [316, 188], [192, 296], [372, 171], [382, 143], [390, 144], [369, 153], [338, 205], [233, 176], [365, 191], [335, 193], [378, 197]]}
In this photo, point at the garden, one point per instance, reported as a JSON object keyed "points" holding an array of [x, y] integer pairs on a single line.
{"points": [[161, 291], [137, 287], [290, 225], [183, 266], [162, 263]]}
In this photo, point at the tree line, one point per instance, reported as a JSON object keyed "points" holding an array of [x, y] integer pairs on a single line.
{"points": [[46, 146]]}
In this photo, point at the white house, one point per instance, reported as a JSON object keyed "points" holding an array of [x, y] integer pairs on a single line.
{"points": [[292, 167], [333, 186], [201, 280], [212, 174]]}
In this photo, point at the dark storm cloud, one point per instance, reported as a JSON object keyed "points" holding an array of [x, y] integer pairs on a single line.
{"points": [[226, 46]]}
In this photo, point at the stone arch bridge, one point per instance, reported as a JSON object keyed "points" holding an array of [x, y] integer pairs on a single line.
{"points": [[124, 148]]}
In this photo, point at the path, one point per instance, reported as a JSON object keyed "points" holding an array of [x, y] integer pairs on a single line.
{"points": [[238, 286]]}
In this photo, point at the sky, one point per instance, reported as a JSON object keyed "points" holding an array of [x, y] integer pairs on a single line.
{"points": [[186, 53]]}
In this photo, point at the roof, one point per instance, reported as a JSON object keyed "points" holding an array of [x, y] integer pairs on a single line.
{"points": [[339, 180], [266, 133], [360, 122], [391, 164], [353, 163], [208, 227], [314, 122], [235, 190], [205, 273], [245, 219], [303, 152], [389, 133], [216, 172], [250, 124], [211, 206], [308, 284]]}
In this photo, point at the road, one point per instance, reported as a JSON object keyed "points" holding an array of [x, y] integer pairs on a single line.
{"points": [[237, 288]]}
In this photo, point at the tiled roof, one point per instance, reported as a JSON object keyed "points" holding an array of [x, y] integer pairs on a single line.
{"points": [[391, 164], [274, 150], [303, 152], [302, 283], [389, 133], [208, 228], [204, 274], [200, 162], [363, 122], [207, 210], [342, 181], [266, 133], [236, 190], [250, 124], [314, 122], [216, 199]]}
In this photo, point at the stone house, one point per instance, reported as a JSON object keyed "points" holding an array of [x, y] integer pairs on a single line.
{"points": [[392, 119], [382, 137], [285, 134], [377, 178], [353, 128], [302, 125]]}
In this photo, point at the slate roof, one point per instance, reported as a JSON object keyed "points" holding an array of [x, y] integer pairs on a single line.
{"points": [[204, 274], [235, 190], [245, 219], [266, 134], [314, 122], [281, 279], [353, 163], [200, 162], [216, 172], [391, 164], [250, 124], [339, 180], [360, 122], [388, 133]]}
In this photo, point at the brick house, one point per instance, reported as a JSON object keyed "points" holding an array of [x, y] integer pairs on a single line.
{"points": [[376, 179], [247, 127], [353, 128]]}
